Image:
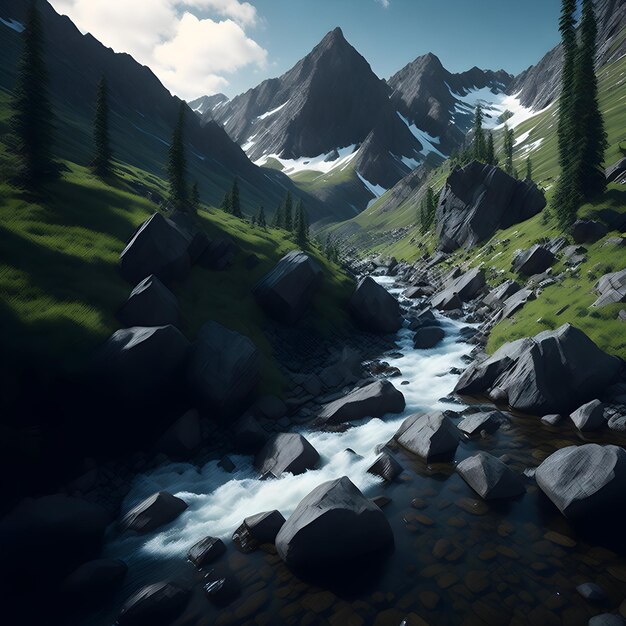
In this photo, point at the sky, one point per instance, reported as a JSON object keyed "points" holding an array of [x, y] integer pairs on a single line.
{"points": [[202, 47]]}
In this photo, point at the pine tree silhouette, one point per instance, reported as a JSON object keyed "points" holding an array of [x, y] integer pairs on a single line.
{"points": [[103, 157], [177, 163]]}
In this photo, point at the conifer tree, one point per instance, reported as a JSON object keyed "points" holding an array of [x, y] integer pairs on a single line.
{"points": [[592, 138], [32, 121], [278, 220], [226, 205], [491, 151], [509, 140], [480, 147], [235, 203], [301, 225], [260, 218], [103, 157], [287, 213], [177, 163], [529, 169], [428, 210], [195, 197]]}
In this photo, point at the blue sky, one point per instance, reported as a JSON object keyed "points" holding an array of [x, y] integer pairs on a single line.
{"points": [[200, 47]]}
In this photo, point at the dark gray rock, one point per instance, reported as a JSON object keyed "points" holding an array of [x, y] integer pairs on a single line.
{"points": [[334, 524], [257, 530], [248, 435], [286, 452], [374, 400], [517, 301], [154, 605], [592, 592], [206, 551], [533, 261], [425, 318], [374, 309], [464, 289], [345, 370], [270, 407], [501, 293], [489, 477], [386, 466], [219, 254], [589, 416], [158, 247], [607, 619], [94, 581], [189, 227], [616, 171], [428, 337], [546, 374], [480, 199], [286, 291], [159, 509], [182, 438], [552, 420], [428, 435], [223, 368], [473, 424], [150, 303], [612, 289], [447, 301], [588, 231], [139, 361], [585, 480]]}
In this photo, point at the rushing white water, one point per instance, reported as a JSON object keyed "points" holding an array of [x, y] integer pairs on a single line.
{"points": [[219, 501]]}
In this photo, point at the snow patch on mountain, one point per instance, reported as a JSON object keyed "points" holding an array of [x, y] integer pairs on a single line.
{"points": [[321, 163], [423, 137], [376, 190], [18, 27], [273, 111]]}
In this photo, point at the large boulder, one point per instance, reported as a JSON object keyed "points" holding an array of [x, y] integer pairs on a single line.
{"points": [[428, 435], [489, 477], [374, 309], [517, 302], [464, 288], [153, 512], [373, 400], [501, 293], [52, 535], [428, 337], [206, 551], [479, 199], [188, 226], [223, 368], [219, 254], [158, 247], [475, 423], [588, 231], [286, 452], [612, 289], [589, 416], [287, 290], [257, 530], [617, 172], [533, 261], [150, 303], [154, 605], [549, 373], [333, 525], [139, 362], [585, 480]]}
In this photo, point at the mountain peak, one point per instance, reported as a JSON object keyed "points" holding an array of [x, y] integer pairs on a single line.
{"points": [[333, 38]]}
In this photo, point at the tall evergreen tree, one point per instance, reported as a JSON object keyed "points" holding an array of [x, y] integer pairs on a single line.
{"points": [[480, 147], [288, 213], [491, 150], [301, 226], [195, 197], [529, 169], [32, 121], [509, 140], [235, 202], [103, 157], [427, 210], [592, 140], [226, 205], [260, 218], [278, 219], [177, 163]]}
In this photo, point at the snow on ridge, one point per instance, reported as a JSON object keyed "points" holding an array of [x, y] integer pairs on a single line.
{"points": [[317, 163], [262, 117], [251, 141], [376, 190], [18, 27], [423, 137]]}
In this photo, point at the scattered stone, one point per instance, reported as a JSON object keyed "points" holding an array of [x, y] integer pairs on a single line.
{"points": [[585, 480], [374, 400], [589, 417], [533, 261], [150, 303], [158, 605], [206, 551], [473, 424], [257, 530], [159, 509], [612, 289], [428, 435], [286, 452], [387, 467], [464, 289], [425, 318], [334, 524], [517, 301], [374, 309], [489, 477], [501, 293], [552, 420]]}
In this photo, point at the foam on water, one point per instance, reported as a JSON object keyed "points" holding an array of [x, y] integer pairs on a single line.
{"points": [[219, 501]]}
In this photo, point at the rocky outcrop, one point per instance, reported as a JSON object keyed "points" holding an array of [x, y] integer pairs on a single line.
{"points": [[158, 247], [478, 200], [489, 477], [585, 480], [428, 435], [153, 512], [287, 290], [549, 373], [475, 423], [158, 604], [588, 231], [501, 293], [334, 524], [374, 309], [612, 289], [223, 368], [386, 466], [374, 400], [150, 303], [533, 261], [286, 452], [517, 302], [459, 289]]}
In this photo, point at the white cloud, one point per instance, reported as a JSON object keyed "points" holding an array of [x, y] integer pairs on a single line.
{"points": [[191, 55], [384, 3]]}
